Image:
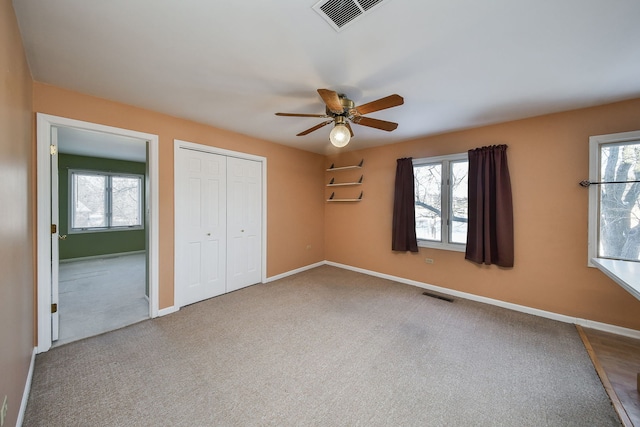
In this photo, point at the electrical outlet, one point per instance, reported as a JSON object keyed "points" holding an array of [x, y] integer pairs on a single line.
{"points": [[3, 411], [429, 260]]}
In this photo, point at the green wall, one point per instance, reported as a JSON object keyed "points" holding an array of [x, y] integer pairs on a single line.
{"points": [[100, 243]]}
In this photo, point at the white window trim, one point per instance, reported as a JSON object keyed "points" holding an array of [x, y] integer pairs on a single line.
{"points": [[624, 273], [445, 245], [108, 229]]}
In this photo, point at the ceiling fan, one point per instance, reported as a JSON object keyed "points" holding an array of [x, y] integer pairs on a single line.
{"points": [[341, 111]]}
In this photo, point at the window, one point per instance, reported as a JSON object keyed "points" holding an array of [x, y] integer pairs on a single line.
{"points": [[614, 203], [441, 201], [105, 201]]}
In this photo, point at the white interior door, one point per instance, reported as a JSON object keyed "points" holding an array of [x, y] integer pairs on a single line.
{"points": [[201, 193], [244, 223], [55, 236]]}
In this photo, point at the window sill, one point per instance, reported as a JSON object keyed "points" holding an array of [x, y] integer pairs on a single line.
{"points": [[444, 246], [624, 273]]}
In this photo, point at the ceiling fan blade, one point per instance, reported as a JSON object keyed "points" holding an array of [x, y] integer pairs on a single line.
{"points": [[316, 127], [375, 123], [300, 115], [332, 100], [380, 104], [349, 127]]}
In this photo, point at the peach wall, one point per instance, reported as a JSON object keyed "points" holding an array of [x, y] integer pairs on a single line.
{"points": [[548, 156], [16, 207], [295, 218]]}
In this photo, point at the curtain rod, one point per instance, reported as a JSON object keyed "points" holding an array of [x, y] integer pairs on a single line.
{"points": [[587, 183]]}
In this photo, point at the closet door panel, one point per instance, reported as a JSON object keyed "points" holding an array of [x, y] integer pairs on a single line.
{"points": [[244, 223], [200, 226]]}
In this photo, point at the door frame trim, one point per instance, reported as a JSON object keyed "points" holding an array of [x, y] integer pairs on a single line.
{"points": [[180, 144], [44, 123]]}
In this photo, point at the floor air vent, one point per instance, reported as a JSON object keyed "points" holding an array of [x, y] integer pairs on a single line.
{"points": [[340, 13], [429, 294]]}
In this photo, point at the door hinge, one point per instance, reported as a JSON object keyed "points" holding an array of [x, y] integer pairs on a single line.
{"points": [[54, 229], [53, 149], [54, 308]]}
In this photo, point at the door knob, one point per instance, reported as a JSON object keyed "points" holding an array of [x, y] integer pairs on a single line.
{"points": [[63, 237]]}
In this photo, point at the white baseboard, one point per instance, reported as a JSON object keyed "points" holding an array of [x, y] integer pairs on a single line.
{"points": [[632, 333], [27, 389], [296, 271], [168, 310]]}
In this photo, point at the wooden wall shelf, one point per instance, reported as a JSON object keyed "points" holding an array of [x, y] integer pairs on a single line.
{"points": [[331, 199], [333, 168], [332, 183], [351, 176]]}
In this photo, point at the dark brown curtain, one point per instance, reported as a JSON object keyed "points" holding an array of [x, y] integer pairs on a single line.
{"points": [[404, 217], [490, 232]]}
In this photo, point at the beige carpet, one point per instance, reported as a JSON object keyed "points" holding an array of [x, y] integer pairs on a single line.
{"points": [[326, 347], [100, 294]]}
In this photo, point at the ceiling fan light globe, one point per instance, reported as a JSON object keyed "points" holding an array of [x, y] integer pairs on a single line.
{"points": [[339, 135]]}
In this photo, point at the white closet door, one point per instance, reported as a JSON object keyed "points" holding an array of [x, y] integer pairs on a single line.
{"points": [[200, 226], [244, 223]]}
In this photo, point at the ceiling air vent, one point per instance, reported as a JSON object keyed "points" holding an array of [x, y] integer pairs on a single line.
{"points": [[340, 13]]}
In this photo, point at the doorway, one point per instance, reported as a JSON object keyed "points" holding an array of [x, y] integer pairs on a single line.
{"points": [[48, 230], [101, 228]]}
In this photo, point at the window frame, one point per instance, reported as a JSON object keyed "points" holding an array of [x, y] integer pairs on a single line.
{"points": [[445, 191], [108, 202], [595, 142], [625, 273]]}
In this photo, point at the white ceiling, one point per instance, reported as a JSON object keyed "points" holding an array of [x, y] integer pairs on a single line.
{"points": [[233, 64]]}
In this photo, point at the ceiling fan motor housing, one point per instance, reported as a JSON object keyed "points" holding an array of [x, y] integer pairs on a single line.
{"points": [[347, 106]]}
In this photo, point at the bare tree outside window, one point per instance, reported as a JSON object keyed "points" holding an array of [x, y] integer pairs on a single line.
{"points": [[459, 201], [125, 201], [428, 190], [619, 227], [105, 201], [441, 218], [89, 201]]}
